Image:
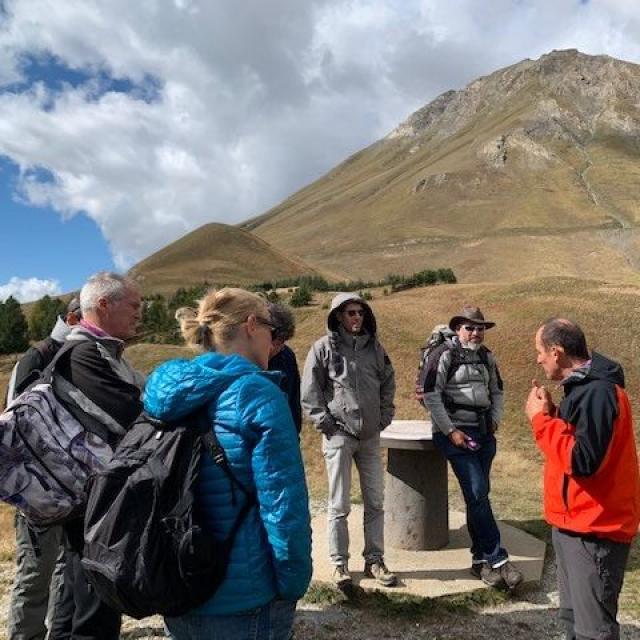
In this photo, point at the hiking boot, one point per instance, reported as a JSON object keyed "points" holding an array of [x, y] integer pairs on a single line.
{"points": [[341, 576], [476, 569], [511, 576], [379, 572], [490, 576]]}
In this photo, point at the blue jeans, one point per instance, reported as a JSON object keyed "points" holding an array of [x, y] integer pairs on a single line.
{"points": [[473, 468], [273, 621]]}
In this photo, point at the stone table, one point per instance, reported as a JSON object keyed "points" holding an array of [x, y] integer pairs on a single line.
{"points": [[416, 500]]}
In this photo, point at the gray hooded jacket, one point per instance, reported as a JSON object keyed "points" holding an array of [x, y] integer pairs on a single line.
{"points": [[348, 381]]}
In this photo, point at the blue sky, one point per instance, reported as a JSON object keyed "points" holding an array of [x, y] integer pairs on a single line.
{"points": [[41, 244], [125, 125]]}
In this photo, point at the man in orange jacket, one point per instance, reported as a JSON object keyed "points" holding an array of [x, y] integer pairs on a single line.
{"points": [[591, 478]]}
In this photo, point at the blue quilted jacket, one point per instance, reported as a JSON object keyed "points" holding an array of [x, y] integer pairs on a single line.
{"points": [[271, 556]]}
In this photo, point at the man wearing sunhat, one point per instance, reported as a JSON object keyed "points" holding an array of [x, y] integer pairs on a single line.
{"points": [[463, 391]]}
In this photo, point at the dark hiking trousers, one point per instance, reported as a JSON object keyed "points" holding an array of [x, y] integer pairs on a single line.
{"points": [[79, 613], [38, 581], [590, 575], [473, 471]]}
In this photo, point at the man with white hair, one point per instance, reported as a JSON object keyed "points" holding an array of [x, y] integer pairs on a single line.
{"points": [[103, 392]]}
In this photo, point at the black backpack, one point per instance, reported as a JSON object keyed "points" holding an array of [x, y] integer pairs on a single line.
{"points": [[145, 552]]}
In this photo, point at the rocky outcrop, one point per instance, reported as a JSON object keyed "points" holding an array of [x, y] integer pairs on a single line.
{"points": [[568, 94]]}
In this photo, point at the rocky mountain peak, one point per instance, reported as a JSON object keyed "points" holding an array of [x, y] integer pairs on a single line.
{"points": [[578, 91]]}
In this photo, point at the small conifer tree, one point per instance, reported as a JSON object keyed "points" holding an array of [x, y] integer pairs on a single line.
{"points": [[43, 317], [13, 327]]}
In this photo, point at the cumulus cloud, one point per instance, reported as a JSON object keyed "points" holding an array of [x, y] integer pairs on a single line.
{"points": [[186, 112], [28, 289]]}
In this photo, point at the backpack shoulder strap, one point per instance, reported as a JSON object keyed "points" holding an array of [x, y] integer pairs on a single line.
{"points": [[214, 449], [429, 366], [63, 352], [47, 349], [483, 354], [457, 360]]}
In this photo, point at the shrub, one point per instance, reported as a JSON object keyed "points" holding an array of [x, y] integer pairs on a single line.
{"points": [[301, 297]]}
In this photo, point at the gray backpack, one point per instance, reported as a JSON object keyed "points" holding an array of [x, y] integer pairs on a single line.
{"points": [[46, 455]]}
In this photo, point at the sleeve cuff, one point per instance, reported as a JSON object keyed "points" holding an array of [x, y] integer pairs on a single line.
{"points": [[538, 421]]}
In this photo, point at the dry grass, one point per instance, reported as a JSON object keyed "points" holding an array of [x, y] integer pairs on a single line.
{"points": [[606, 312], [215, 253]]}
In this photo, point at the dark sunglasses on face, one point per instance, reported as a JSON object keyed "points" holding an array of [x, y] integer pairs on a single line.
{"points": [[471, 329], [267, 323], [354, 312]]}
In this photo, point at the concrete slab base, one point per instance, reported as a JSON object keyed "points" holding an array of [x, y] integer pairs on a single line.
{"points": [[427, 573]]}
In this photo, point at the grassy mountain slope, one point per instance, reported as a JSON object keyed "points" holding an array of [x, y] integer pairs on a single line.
{"points": [[530, 171], [216, 253]]}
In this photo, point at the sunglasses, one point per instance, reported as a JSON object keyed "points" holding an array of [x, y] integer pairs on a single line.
{"points": [[267, 323], [471, 329], [354, 312]]}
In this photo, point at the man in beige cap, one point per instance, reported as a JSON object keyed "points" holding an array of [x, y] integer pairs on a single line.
{"points": [[463, 391]]}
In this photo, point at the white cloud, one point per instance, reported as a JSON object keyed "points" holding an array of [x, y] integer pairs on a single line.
{"points": [[28, 289], [252, 101]]}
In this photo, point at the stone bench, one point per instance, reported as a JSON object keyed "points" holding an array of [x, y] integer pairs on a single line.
{"points": [[416, 499]]}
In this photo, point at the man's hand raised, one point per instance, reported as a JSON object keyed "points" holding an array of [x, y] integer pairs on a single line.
{"points": [[539, 401]]}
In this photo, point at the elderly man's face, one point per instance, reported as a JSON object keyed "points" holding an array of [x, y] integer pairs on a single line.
{"points": [[120, 318], [351, 317]]}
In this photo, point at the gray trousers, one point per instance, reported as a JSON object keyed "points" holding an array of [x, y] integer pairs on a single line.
{"points": [[339, 452], [38, 581], [590, 576]]}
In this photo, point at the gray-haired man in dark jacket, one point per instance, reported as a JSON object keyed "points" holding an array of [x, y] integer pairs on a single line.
{"points": [[348, 386], [103, 392]]}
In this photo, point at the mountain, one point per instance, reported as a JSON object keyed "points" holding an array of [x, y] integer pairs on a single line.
{"points": [[530, 171], [215, 253]]}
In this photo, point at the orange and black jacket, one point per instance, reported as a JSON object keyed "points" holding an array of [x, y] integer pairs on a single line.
{"points": [[591, 478]]}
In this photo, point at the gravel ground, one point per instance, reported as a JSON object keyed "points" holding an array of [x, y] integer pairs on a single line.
{"points": [[527, 616]]}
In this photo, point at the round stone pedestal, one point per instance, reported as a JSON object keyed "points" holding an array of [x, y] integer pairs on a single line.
{"points": [[416, 499]]}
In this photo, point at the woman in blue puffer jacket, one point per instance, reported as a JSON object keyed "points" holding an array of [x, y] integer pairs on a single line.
{"points": [[270, 563]]}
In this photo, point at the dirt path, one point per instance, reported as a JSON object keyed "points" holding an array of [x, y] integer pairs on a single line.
{"points": [[531, 616]]}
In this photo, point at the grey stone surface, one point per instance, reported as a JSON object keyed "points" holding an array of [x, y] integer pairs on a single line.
{"points": [[428, 573], [416, 491]]}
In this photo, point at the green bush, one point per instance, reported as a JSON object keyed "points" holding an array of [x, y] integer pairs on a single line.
{"points": [[301, 297]]}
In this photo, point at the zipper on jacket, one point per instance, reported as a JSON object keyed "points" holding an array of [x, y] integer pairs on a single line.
{"points": [[357, 372], [565, 491]]}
